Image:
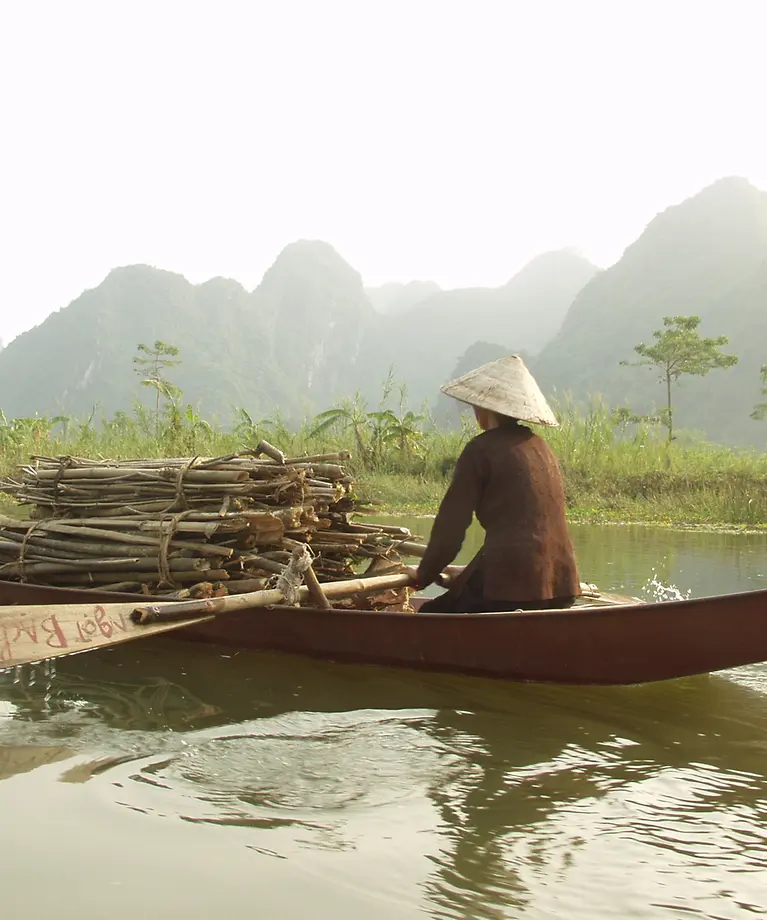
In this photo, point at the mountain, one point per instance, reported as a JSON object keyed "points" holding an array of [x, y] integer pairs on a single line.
{"points": [[722, 406], [704, 257], [539, 297], [81, 355], [309, 335], [312, 310], [291, 343], [425, 342], [395, 297]]}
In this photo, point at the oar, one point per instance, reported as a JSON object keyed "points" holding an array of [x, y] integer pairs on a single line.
{"points": [[30, 633], [591, 598]]}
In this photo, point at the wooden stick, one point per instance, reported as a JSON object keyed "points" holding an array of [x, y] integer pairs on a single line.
{"points": [[75, 530], [95, 578], [118, 564], [79, 548], [245, 585], [378, 528], [315, 589], [125, 474], [409, 548], [321, 458], [126, 587], [261, 562], [264, 447]]}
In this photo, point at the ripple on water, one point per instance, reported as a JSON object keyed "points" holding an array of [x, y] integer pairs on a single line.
{"points": [[585, 835], [531, 803], [316, 772]]}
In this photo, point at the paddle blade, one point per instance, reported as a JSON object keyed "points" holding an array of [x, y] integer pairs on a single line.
{"points": [[37, 633]]}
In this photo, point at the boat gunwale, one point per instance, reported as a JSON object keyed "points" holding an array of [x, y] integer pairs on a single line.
{"points": [[594, 645], [639, 607]]}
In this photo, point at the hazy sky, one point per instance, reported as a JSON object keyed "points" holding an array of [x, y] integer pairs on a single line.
{"points": [[442, 140]]}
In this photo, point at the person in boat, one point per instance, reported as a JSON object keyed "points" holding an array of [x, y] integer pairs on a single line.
{"points": [[509, 477]]}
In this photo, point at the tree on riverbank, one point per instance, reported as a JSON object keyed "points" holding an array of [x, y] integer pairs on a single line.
{"points": [[760, 409], [151, 369], [680, 349]]}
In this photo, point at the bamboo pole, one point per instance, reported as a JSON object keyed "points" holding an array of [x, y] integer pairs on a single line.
{"points": [[98, 578], [116, 564], [114, 548], [264, 447], [316, 592], [160, 476]]}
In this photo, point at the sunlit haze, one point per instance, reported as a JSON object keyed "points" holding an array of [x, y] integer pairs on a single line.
{"points": [[424, 140]]}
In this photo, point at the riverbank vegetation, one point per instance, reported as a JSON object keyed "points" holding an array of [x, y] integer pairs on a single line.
{"points": [[617, 467]]}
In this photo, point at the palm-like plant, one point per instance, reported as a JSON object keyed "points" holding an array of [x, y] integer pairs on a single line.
{"points": [[350, 414], [404, 427], [404, 431], [196, 428], [245, 429]]}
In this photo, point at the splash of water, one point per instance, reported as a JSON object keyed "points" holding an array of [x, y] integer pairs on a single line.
{"points": [[49, 671], [27, 676], [659, 592]]}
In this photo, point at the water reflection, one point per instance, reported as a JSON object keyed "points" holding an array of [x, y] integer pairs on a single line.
{"points": [[23, 758], [645, 771], [512, 792]]}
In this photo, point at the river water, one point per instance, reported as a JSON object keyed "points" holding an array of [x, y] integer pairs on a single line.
{"points": [[162, 779]]}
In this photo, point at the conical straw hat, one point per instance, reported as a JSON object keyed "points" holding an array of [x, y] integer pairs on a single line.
{"points": [[505, 386]]}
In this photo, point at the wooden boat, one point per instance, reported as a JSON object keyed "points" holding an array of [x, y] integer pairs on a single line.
{"points": [[587, 644]]}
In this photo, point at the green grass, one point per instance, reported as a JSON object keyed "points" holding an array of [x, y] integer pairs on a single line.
{"points": [[613, 475], [400, 492], [706, 505], [402, 463]]}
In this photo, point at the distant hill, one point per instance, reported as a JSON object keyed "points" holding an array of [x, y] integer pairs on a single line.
{"points": [[309, 335], [312, 309], [540, 296], [305, 338], [394, 298], [426, 341], [705, 257], [80, 356], [722, 403], [292, 343]]}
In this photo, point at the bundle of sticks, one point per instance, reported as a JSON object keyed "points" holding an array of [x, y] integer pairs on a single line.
{"points": [[190, 527]]}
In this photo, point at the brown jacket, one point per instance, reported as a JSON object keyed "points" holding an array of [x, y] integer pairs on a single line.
{"points": [[510, 478]]}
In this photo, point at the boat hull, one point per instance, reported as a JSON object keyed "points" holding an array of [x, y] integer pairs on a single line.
{"points": [[583, 645]]}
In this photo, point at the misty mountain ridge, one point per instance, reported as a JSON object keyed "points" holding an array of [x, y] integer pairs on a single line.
{"points": [[306, 337], [704, 257], [311, 334], [425, 342], [395, 297]]}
